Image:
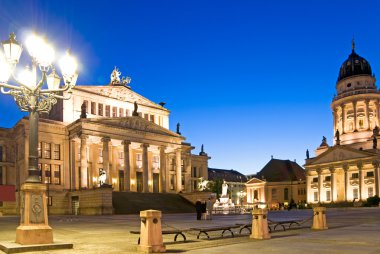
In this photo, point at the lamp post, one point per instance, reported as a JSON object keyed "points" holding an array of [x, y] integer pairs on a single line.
{"points": [[34, 97]]}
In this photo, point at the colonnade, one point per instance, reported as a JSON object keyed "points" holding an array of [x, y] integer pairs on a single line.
{"points": [[178, 170]]}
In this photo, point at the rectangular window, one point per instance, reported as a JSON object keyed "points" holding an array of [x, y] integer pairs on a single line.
{"points": [[1, 153], [86, 104], [127, 112], [100, 109], [152, 118], [356, 193], [146, 116], [328, 195], [315, 196], [286, 194], [139, 160], [172, 182], [355, 175], [114, 111], [156, 161], [194, 172], [57, 174], [121, 112], [1, 175], [57, 152], [108, 110], [274, 194], [121, 155], [93, 108], [40, 171], [315, 179], [370, 191], [47, 170], [370, 174], [39, 149], [327, 178], [47, 150]]}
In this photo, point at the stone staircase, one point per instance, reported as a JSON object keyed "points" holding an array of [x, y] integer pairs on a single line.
{"points": [[133, 203]]}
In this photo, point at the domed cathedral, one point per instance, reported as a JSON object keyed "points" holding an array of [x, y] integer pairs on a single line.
{"points": [[356, 104], [348, 171]]}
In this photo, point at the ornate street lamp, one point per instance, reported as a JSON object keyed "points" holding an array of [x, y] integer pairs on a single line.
{"points": [[32, 96]]}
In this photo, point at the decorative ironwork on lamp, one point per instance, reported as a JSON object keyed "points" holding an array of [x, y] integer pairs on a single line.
{"points": [[31, 95]]}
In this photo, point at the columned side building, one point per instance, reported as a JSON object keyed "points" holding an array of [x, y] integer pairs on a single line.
{"points": [[103, 136], [349, 170]]}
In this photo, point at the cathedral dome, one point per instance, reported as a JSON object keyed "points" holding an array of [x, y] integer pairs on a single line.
{"points": [[354, 65]]}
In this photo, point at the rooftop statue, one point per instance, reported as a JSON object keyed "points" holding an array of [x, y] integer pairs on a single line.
{"points": [[115, 76], [135, 113]]}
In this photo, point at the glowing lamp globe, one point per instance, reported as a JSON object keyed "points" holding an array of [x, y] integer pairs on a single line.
{"points": [[12, 49]]}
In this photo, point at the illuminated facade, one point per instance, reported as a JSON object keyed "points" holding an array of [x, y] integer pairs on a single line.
{"points": [[104, 136], [279, 182], [349, 170]]}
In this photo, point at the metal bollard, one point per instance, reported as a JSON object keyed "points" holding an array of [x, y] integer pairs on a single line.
{"points": [[260, 224], [319, 218], [151, 232]]}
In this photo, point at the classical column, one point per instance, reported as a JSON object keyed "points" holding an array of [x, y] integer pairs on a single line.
{"points": [[355, 120], [127, 166], [332, 171], [377, 175], [377, 112], [367, 113], [106, 159], [83, 161], [308, 187], [73, 171], [145, 167], [162, 169], [343, 117], [178, 170], [319, 171], [345, 168], [188, 183], [361, 179]]}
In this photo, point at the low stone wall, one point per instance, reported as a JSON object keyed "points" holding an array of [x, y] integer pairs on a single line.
{"points": [[93, 201], [8, 208], [194, 196], [59, 203]]}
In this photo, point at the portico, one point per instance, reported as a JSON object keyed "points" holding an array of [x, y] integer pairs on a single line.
{"points": [[135, 154]]}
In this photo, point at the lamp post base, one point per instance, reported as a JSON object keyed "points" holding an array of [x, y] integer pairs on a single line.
{"points": [[34, 227], [34, 235]]}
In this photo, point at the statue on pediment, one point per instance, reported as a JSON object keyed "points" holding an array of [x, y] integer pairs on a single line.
{"points": [[324, 142], [115, 77], [178, 132], [374, 142], [135, 113], [83, 113], [307, 154], [337, 136]]}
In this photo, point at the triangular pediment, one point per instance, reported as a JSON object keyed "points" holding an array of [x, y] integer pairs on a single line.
{"points": [[134, 123], [255, 181], [339, 153], [120, 93]]}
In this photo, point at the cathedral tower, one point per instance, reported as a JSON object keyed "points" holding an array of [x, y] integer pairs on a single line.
{"points": [[356, 103]]}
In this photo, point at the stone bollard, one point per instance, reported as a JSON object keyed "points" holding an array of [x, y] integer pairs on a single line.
{"points": [[260, 224], [319, 218], [151, 232]]}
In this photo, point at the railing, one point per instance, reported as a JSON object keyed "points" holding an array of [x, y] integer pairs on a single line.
{"points": [[354, 92]]}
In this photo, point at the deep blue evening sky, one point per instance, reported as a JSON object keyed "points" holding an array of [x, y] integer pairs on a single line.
{"points": [[249, 79]]}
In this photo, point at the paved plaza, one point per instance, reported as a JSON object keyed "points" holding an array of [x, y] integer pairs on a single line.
{"points": [[351, 230]]}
